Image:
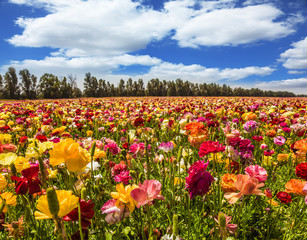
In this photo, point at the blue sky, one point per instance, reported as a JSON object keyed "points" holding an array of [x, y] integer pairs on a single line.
{"points": [[249, 43]]}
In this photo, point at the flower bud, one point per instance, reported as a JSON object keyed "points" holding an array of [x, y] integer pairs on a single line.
{"points": [[175, 224], [13, 169], [93, 149], [222, 220], [53, 202]]}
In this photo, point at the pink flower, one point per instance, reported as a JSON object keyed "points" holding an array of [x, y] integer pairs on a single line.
{"points": [[113, 148], [210, 147], [146, 193], [136, 148], [279, 140], [257, 172], [114, 214], [199, 180], [123, 177], [166, 147]]}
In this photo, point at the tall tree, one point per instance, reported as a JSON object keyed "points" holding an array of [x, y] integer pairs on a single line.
{"points": [[28, 84], [11, 84], [49, 86], [1, 86]]}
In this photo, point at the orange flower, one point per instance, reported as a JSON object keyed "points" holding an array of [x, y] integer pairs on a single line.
{"points": [[295, 186], [301, 145], [246, 185], [196, 128], [271, 133], [228, 181], [281, 157]]}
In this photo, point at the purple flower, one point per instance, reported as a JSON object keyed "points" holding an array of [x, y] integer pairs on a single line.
{"points": [[166, 147], [199, 180], [250, 126], [279, 140]]}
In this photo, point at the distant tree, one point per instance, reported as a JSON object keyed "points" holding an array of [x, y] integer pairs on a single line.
{"points": [[28, 84], [72, 80], [121, 88], [11, 86], [1, 86], [49, 86], [90, 86], [141, 88], [66, 88]]}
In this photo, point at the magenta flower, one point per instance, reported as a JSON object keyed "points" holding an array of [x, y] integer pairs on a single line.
{"points": [[146, 193], [123, 177], [250, 126], [114, 214], [113, 148], [166, 147], [279, 140], [199, 180], [137, 148], [257, 172]]}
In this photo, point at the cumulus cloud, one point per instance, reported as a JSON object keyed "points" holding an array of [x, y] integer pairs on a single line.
{"points": [[233, 26], [113, 27], [298, 86], [295, 57], [198, 73]]}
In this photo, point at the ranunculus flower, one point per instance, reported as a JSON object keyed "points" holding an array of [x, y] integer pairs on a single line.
{"points": [[68, 151], [247, 185], [279, 140], [123, 177], [28, 182], [227, 183], [250, 126], [258, 172], [146, 193], [114, 214], [166, 147], [199, 180], [284, 197], [87, 213], [301, 170], [67, 202], [210, 147], [295, 186]]}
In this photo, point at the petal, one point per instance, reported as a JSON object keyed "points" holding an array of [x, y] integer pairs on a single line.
{"points": [[139, 195], [232, 197]]}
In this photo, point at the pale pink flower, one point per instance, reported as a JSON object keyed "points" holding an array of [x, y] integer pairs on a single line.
{"points": [[279, 140], [257, 172], [114, 214], [146, 193]]}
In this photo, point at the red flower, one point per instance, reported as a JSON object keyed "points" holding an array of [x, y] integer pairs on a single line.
{"points": [[87, 213], [138, 122], [257, 138], [23, 139], [301, 170], [284, 197], [28, 181], [199, 180], [41, 138], [210, 147]]}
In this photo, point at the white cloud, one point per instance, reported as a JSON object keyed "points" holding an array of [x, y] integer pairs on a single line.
{"points": [[295, 57], [233, 26], [86, 28], [198, 73], [298, 86], [296, 72]]}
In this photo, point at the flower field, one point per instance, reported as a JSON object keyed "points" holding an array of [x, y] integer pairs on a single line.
{"points": [[154, 168]]}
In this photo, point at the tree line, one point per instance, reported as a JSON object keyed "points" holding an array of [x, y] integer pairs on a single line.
{"points": [[50, 86]]}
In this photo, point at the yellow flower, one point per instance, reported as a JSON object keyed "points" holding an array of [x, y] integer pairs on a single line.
{"points": [[272, 202], [52, 173], [58, 131], [89, 133], [7, 158], [99, 154], [67, 202], [68, 151], [21, 163], [3, 182], [43, 146], [123, 197], [10, 200]]}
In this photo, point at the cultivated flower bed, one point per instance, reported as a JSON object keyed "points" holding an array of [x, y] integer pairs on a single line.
{"points": [[154, 168]]}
